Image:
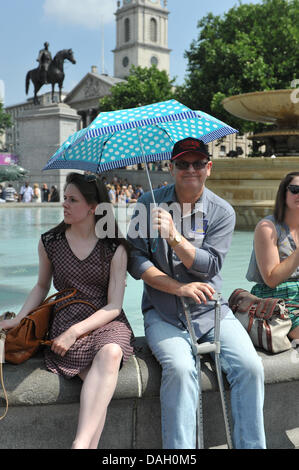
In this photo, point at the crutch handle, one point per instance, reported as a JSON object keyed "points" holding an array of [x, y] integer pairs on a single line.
{"points": [[205, 348]]}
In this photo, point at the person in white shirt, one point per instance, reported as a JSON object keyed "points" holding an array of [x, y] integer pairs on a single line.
{"points": [[26, 193]]}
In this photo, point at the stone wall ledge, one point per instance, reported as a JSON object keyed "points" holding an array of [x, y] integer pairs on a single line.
{"points": [[43, 407]]}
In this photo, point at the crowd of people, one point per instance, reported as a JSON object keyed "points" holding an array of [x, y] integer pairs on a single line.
{"points": [[119, 191], [122, 192], [28, 193]]}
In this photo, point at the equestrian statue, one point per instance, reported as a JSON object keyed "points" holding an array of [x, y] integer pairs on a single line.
{"points": [[49, 71]]}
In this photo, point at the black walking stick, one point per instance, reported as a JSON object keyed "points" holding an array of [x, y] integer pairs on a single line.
{"points": [[205, 348]]}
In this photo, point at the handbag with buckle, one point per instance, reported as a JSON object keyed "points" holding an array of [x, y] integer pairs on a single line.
{"points": [[18, 344], [266, 320], [25, 339]]}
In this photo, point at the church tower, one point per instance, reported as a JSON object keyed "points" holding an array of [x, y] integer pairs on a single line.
{"points": [[142, 35]]}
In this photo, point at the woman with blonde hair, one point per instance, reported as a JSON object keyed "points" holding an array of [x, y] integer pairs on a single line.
{"points": [[36, 193]]}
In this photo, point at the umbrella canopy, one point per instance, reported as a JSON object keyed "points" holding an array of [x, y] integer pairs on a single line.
{"points": [[145, 134]]}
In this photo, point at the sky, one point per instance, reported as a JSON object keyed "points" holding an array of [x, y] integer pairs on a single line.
{"points": [[81, 24]]}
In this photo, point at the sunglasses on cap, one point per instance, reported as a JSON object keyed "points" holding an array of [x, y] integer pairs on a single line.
{"points": [[197, 165], [293, 188]]}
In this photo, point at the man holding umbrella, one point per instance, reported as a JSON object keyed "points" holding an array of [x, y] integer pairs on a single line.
{"points": [[184, 261]]}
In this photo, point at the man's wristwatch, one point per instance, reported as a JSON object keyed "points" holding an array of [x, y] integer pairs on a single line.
{"points": [[176, 240]]}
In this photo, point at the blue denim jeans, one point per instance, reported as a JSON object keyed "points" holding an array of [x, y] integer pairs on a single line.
{"points": [[179, 386]]}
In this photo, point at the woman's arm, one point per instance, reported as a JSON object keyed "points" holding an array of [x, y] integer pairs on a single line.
{"points": [[109, 312], [272, 270], [39, 291]]}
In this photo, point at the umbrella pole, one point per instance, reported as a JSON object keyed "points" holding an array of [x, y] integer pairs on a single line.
{"points": [[155, 241], [146, 168]]}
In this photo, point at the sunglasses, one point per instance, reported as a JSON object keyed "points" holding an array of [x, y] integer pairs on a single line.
{"points": [[197, 165], [293, 188], [90, 177]]}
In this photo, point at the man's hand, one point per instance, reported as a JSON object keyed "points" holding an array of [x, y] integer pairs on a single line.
{"points": [[163, 222], [198, 291]]}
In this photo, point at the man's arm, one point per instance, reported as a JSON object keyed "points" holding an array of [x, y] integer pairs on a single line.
{"points": [[198, 291], [141, 266], [163, 222], [207, 260]]}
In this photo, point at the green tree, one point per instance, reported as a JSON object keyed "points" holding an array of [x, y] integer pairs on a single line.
{"points": [[5, 119], [253, 47], [143, 86]]}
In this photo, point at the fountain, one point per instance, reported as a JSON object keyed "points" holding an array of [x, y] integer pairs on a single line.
{"points": [[250, 184], [276, 107]]}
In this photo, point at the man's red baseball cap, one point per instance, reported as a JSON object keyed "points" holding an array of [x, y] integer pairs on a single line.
{"points": [[189, 145]]}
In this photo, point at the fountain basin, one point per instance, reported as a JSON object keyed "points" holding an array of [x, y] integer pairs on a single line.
{"points": [[276, 107], [269, 107]]}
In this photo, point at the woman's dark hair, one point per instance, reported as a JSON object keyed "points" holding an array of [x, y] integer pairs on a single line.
{"points": [[280, 202], [94, 191]]}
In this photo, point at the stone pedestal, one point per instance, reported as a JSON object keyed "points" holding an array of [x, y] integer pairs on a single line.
{"points": [[41, 131]]}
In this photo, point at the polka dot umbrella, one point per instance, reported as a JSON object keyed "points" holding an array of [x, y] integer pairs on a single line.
{"points": [[129, 136]]}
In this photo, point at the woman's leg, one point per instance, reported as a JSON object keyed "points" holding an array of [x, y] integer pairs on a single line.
{"points": [[99, 383]]}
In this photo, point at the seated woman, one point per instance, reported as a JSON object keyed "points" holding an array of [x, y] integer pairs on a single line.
{"points": [[274, 263], [90, 343]]}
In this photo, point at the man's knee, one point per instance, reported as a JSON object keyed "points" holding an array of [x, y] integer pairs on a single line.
{"points": [[180, 369], [251, 368], [255, 367]]}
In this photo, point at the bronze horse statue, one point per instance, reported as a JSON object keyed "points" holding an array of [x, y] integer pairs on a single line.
{"points": [[55, 74]]}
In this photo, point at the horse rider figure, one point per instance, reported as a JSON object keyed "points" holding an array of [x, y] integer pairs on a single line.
{"points": [[44, 59]]}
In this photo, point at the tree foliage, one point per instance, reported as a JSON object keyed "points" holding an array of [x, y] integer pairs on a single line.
{"points": [[143, 86], [253, 47]]}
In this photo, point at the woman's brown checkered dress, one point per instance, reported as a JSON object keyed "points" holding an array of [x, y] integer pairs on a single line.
{"points": [[91, 278]]}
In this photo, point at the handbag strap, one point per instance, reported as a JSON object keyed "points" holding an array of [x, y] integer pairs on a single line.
{"points": [[2, 339], [53, 302], [75, 301], [49, 342]]}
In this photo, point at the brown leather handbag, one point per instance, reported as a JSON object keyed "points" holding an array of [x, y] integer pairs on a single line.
{"points": [[18, 344], [26, 338]]}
